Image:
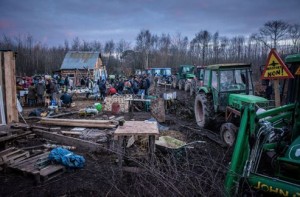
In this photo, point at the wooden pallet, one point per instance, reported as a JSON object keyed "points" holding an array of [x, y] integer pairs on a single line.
{"points": [[46, 173], [13, 155]]}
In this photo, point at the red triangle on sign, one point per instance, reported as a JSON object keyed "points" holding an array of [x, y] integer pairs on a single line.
{"points": [[275, 68]]}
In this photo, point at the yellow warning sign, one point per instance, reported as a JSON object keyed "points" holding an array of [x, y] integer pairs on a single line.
{"points": [[275, 68], [297, 71]]}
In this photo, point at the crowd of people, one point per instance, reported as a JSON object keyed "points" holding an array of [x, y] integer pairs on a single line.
{"points": [[56, 88], [136, 85]]}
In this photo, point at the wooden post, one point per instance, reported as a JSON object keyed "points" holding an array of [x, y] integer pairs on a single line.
{"points": [[121, 152], [277, 93], [151, 148], [10, 87]]}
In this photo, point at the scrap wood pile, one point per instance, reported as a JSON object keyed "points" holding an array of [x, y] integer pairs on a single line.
{"points": [[23, 152]]}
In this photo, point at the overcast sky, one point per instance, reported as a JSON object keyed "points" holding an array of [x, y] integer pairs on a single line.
{"points": [[53, 21]]}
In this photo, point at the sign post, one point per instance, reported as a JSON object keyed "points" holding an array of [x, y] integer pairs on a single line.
{"points": [[275, 69]]}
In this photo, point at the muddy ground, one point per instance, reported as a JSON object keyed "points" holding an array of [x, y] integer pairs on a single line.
{"points": [[196, 171]]}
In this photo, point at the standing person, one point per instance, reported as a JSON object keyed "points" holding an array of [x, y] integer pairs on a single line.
{"points": [[66, 83], [120, 86], [102, 89], [31, 95], [71, 84], [146, 84], [269, 90], [55, 94], [50, 89], [135, 85], [40, 91], [82, 82]]}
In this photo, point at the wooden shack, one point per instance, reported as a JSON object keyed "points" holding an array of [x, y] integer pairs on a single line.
{"points": [[78, 64]]}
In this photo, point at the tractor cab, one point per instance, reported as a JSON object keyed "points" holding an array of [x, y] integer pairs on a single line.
{"points": [[225, 79]]}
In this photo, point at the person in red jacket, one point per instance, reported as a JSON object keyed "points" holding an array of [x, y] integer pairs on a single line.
{"points": [[111, 91]]}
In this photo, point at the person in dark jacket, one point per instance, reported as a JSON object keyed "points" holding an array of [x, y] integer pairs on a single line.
{"points": [[66, 83], [31, 95], [102, 89], [66, 99], [120, 87]]}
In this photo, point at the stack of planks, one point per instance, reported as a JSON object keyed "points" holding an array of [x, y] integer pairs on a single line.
{"points": [[80, 123]]}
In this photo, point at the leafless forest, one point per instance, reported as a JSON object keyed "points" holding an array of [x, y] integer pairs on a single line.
{"points": [[151, 50]]}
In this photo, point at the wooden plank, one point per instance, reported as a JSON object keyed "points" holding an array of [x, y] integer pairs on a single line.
{"points": [[80, 122], [10, 87], [2, 93], [2, 139], [70, 141], [71, 132], [74, 124], [29, 160], [137, 128], [51, 169]]}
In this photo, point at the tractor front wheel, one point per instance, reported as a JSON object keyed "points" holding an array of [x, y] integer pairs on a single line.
{"points": [[204, 110], [228, 133]]}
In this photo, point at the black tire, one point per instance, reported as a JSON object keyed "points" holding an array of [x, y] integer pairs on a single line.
{"points": [[204, 111], [228, 133], [193, 88]]}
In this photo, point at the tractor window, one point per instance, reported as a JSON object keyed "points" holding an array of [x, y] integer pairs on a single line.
{"points": [[206, 78], [226, 79], [214, 80], [167, 72]]}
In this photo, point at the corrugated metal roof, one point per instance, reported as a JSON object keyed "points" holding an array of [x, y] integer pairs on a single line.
{"points": [[80, 60]]}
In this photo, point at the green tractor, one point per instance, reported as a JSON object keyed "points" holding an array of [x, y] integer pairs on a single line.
{"points": [[266, 157], [198, 80], [226, 89], [183, 78]]}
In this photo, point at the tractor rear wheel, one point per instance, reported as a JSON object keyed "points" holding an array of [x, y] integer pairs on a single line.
{"points": [[204, 111], [228, 133]]}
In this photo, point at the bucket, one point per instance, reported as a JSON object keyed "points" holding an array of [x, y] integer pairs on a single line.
{"points": [[115, 108], [98, 106]]}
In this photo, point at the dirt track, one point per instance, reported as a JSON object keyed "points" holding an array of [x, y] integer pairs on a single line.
{"points": [[196, 171]]}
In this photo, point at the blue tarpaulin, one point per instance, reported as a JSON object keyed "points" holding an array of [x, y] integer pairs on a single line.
{"points": [[66, 158]]}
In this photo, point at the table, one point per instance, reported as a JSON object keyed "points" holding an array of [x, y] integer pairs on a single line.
{"points": [[130, 104], [136, 128]]}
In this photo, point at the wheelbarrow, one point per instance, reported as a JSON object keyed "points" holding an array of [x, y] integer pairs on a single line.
{"points": [[168, 144]]}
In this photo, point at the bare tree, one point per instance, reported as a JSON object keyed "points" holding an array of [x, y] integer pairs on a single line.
{"points": [[76, 44], [109, 49], [144, 41], [294, 33], [201, 41], [272, 32], [215, 47]]}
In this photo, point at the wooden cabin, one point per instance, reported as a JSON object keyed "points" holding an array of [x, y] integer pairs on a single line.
{"points": [[78, 64]]}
